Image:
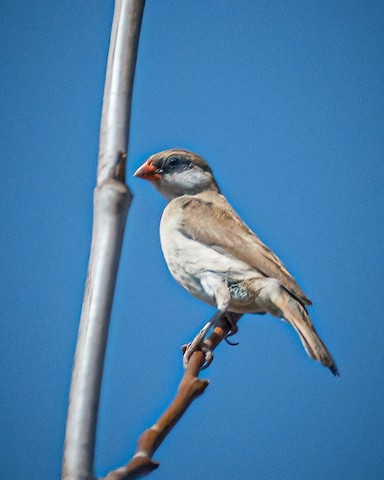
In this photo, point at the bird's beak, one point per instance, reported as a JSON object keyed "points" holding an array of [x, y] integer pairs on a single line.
{"points": [[147, 171]]}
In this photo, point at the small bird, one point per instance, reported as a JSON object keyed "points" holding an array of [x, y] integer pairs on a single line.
{"points": [[217, 258]]}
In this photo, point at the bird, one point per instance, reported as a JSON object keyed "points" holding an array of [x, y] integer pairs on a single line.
{"points": [[217, 258]]}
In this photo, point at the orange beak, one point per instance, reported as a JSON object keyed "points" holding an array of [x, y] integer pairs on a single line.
{"points": [[147, 171]]}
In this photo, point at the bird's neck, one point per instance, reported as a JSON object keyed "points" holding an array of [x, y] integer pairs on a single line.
{"points": [[186, 186]]}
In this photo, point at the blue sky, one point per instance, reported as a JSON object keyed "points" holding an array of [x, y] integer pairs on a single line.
{"points": [[285, 101]]}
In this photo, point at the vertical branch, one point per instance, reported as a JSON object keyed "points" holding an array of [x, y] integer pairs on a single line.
{"points": [[111, 203]]}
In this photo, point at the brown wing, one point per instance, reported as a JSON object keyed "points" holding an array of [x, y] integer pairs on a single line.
{"points": [[218, 225]]}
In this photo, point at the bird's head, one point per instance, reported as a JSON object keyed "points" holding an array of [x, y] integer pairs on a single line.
{"points": [[177, 172]]}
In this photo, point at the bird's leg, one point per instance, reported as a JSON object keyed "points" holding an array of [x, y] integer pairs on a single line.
{"points": [[200, 343], [214, 285], [232, 319]]}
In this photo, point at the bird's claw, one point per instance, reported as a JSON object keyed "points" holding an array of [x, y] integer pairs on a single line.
{"points": [[232, 324], [192, 347], [233, 331], [208, 355], [233, 344]]}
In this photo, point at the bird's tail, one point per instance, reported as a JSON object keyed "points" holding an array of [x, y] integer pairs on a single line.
{"points": [[298, 317]]}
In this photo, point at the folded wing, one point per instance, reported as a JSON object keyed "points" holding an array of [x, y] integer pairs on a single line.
{"points": [[220, 227]]}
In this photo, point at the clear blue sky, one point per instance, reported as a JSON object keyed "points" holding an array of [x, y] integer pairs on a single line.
{"points": [[285, 100]]}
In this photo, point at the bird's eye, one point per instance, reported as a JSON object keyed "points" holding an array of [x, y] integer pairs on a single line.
{"points": [[173, 161]]}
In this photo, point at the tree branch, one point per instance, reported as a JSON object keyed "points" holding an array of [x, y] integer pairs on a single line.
{"points": [[190, 387], [111, 203]]}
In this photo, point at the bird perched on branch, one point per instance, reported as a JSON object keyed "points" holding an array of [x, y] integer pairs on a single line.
{"points": [[212, 253]]}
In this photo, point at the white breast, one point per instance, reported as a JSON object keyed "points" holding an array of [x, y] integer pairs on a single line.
{"points": [[188, 259]]}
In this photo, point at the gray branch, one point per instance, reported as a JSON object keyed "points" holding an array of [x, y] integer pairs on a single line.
{"points": [[112, 199]]}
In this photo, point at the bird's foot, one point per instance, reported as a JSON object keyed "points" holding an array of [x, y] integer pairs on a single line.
{"points": [[208, 354], [197, 344], [233, 344], [232, 319]]}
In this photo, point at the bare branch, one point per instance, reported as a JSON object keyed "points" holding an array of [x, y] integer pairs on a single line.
{"points": [[114, 127], [190, 387], [111, 202]]}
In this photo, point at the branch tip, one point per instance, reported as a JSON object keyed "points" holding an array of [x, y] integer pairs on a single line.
{"points": [[138, 467], [190, 387]]}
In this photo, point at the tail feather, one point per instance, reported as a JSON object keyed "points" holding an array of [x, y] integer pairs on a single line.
{"points": [[298, 317]]}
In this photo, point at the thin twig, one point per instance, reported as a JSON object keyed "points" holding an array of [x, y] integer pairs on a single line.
{"points": [[190, 387]]}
